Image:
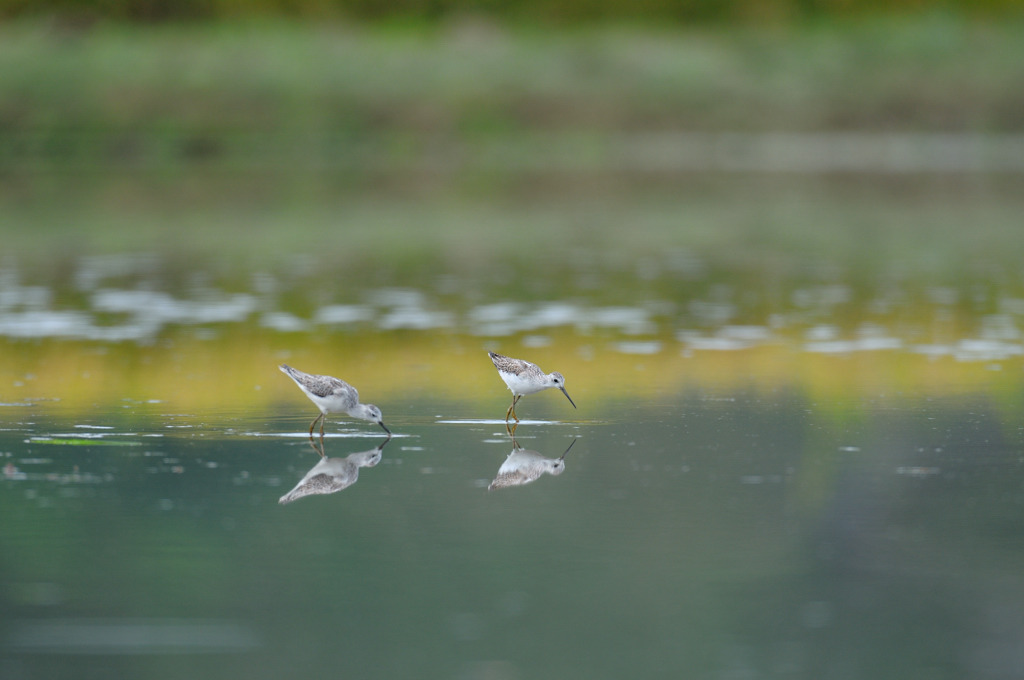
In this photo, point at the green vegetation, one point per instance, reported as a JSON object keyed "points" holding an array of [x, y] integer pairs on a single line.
{"points": [[368, 101], [446, 145]]}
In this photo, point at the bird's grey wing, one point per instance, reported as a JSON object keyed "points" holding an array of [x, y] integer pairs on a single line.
{"points": [[527, 368], [319, 385], [325, 386], [315, 484], [343, 389], [512, 478], [319, 484], [513, 366]]}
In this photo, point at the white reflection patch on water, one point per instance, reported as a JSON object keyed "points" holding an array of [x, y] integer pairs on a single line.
{"points": [[414, 318], [855, 345], [156, 307], [14, 295], [986, 350], [495, 421], [343, 314], [729, 338], [822, 332], [870, 338], [76, 435], [282, 321], [918, 471], [407, 309], [494, 319], [534, 341], [507, 318], [45, 324], [25, 313], [327, 435], [630, 320], [650, 347]]}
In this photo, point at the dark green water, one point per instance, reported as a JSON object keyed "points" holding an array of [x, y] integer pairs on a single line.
{"points": [[688, 536]]}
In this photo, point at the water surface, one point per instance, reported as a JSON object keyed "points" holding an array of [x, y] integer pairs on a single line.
{"points": [[708, 535], [798, 449]]}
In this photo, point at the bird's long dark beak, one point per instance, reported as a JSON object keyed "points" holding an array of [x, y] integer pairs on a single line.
{"points": [[381, 423], [568, 397], [562, 457]]}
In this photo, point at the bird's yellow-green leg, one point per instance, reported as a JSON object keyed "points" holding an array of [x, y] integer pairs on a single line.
{"points": [[512, 409], [313, 424], [323, 420], [313, 443]]}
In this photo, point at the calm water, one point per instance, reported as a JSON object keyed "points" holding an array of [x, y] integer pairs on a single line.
{"points": [[744, 535], [798, 452]]}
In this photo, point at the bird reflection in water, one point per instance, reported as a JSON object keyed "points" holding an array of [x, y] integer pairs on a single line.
{"points": [[523, 466], [331, 475]]}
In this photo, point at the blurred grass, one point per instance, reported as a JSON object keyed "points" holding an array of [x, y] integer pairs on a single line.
{"points": [[160, 97], [406, 151]]}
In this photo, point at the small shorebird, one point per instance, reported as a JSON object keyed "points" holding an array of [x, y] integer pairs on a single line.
{"points": [[332, 396], [330, 475], [523, 466], [524, 378]]}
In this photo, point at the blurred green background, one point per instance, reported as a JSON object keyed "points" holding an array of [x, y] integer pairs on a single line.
{"points": [[468, 119], [839, 170]]}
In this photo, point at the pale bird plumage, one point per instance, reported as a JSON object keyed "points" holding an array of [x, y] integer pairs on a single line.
{"points": [[523, 377], [331, 475], [332, 395], [523, 466]]}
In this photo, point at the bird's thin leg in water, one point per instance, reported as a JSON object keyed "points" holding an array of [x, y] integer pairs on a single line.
{"points": [[313, 424], [515, 400]]}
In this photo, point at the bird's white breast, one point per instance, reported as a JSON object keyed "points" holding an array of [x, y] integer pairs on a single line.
{"points": [[518, 385]]}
